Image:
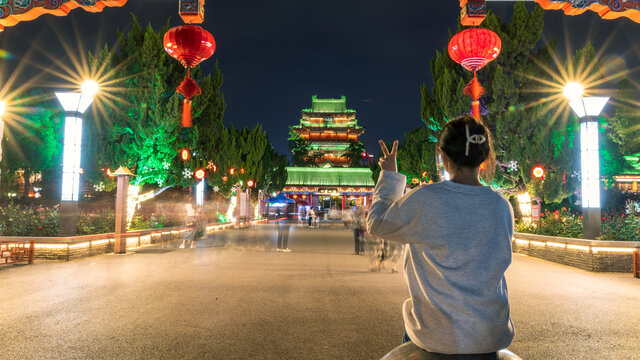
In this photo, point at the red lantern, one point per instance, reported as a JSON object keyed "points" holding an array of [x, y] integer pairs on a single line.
{"points": [[473, 49], [184, 154], [538, 172], [189, 44], [250, 183], [200, 174]]}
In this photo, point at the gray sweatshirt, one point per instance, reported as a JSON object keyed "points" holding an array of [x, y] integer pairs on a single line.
{"points": [[457, 247]]}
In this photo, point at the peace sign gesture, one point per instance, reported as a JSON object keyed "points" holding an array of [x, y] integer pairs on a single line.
{"points": [[388, 160]]}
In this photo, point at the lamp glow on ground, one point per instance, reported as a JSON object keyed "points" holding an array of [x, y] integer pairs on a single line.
{"points": [[587, 108], [74, 105]]}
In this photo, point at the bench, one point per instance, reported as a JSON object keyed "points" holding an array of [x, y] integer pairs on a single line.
{"points": [[410, 351], [12, 252]]}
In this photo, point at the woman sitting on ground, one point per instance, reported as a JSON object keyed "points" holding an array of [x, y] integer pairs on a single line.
{"points": [[457, 237]]}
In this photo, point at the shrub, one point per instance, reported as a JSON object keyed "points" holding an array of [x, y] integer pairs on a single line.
{"points": [[96, 222], [17, 220]]}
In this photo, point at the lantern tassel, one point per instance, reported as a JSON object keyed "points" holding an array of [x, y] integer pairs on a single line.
{"points": [[475, 91], [186, 113]]}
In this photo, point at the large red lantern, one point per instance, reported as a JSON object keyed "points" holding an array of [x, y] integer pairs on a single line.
{"points": [[473, 49], [189, 44]]}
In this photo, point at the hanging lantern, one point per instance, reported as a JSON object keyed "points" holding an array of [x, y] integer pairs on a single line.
{"points": [[189, 44], [473, 49]]}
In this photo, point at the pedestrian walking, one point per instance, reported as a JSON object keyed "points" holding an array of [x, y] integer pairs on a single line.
{"points": [[190, 235], [312, 215], [283, 234], [457, 239], [359, 227], [347, 217]]}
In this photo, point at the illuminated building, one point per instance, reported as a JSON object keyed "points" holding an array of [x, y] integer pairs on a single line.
{"points": [[328, 126]]}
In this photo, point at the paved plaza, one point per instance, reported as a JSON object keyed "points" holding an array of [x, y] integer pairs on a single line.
{"points": [[234, 297]]}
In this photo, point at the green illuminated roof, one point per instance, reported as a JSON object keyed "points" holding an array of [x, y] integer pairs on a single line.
{"points": [[329, 105], [333, 176]]}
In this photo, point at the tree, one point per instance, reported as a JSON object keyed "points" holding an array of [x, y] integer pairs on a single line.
{"points": [[32, 144], [525, 132], [354, 152], [275, 171], [299, 148]]}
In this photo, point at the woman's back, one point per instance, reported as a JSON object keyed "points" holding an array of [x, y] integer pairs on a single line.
{"points": [[458, 246]]}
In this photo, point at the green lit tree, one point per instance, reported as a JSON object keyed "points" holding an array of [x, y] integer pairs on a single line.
{"points": [[32, 145], [526, 132]]}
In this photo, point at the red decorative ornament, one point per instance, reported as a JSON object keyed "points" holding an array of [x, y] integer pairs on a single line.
{"points": [[199, 174], [250, 183], [189, 44], [538, 172], [184, 154], [473, 49]]}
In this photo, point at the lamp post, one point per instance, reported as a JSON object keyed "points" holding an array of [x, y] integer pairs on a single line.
{"points": [[3, 107], [586, 108], [74, 104]]}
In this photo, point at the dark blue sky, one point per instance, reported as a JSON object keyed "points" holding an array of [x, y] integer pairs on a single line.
{"points": [[276, 54]]}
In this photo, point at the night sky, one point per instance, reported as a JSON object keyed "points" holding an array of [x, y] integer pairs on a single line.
{"points": [[276, 54]]}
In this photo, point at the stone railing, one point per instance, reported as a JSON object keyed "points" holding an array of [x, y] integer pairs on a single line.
{"points": [[592, 255]]}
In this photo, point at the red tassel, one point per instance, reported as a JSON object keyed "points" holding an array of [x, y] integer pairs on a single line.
{"points": [[186, 113], [475, 91]]}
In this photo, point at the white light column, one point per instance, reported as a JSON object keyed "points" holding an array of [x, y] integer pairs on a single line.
{"points": [[200, 193], [585, 108], [3, 106], [74, 105]]}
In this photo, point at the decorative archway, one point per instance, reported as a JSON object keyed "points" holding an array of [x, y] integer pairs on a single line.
{"points": [[473, 11], [15, 11]]}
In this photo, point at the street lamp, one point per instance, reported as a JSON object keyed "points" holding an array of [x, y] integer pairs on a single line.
{"points": [[586, 108], [74, 104]]}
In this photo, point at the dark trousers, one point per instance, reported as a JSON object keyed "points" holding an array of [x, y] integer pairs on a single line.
{"points": [[359, 240], [283, 235]]}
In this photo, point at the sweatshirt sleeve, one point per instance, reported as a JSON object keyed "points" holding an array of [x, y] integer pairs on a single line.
{"points": [[387, 217]]}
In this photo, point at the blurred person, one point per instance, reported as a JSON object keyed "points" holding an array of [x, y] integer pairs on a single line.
{"points": [[312, 215], [359, 227], [191, 233], [283, 233], [457, 245], [347, 217]]}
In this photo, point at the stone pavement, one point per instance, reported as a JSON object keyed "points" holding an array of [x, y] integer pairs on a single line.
{"points": [[234, 297]]}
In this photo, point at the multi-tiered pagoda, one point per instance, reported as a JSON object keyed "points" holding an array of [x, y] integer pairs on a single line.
{"points": [[330, 185], [328, 126]]}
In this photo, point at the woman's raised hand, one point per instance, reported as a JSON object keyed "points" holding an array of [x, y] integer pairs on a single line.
{"points": [[388, 160]]}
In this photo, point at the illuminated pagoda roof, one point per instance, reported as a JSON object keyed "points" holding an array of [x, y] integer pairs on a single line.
{"points": [[328, 106], [329, 176]]}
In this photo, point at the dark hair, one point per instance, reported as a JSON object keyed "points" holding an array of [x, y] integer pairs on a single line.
{"points": [[453, 142]]}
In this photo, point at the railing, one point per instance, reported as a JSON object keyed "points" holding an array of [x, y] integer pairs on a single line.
{"points": [[12, 252]]}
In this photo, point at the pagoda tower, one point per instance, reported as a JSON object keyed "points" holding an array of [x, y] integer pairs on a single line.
{"points": [[328, 126]]}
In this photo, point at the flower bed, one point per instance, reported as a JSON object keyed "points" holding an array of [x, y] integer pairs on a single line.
{"points": [[40, 221], [563, 223]]}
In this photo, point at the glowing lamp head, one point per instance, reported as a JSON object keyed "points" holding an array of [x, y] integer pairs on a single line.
{"points": [[538, 172], [184, 154], [90, 88], [199, 174], [573, 90], [232, 171], [250, 183], [224, 178], [364, 154]]}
